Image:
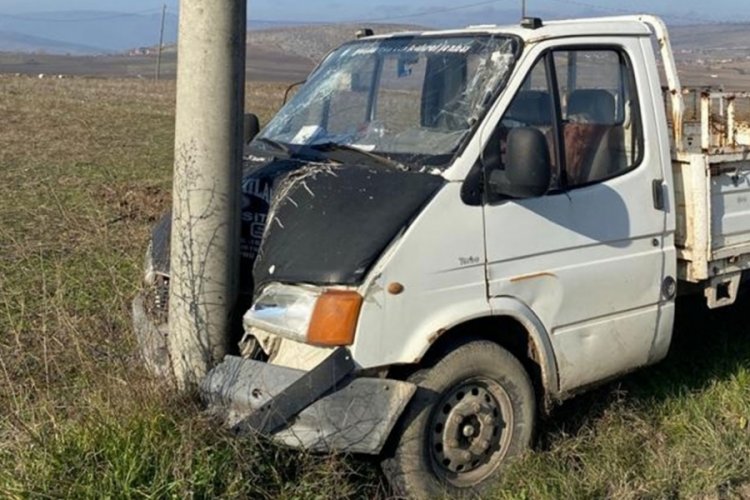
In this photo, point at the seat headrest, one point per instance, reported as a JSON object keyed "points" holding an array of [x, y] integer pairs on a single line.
{"points": [[531, 107], [597, 105]]}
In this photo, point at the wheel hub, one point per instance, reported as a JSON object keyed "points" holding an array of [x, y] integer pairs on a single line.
{"points": [[467, 428]]}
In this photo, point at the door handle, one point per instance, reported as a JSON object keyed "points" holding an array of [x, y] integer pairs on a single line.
{"points": [[657, 190]]}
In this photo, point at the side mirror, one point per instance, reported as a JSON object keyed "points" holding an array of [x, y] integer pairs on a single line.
{"points": [[528, 170], [251, 127]]}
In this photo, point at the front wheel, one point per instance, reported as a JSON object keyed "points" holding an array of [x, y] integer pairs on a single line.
{"points": [[472, 411]]}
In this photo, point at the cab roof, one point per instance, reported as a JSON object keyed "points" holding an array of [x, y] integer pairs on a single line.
{"points": [[595, 26]]}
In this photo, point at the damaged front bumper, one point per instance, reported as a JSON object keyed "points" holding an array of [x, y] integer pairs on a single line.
{"points": [[151, 333], [324, 409]]}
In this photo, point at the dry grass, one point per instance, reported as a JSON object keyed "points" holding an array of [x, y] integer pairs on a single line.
{"points": [[84, 171]]}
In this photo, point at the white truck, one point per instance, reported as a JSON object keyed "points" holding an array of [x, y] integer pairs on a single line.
{"points": [[452, 231]]}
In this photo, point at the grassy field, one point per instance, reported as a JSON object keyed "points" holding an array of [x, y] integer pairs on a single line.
{"points": [[85, 170], [264, 64]]}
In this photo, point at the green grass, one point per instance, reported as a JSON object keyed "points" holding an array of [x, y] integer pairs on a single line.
{"points": [[164, 448], [85, 170], [676, 430]]}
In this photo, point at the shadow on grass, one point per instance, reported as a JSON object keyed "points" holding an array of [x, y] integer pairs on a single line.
{"points": [[707, 346]]}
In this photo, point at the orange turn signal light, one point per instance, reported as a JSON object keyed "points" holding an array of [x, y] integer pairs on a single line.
{"points": [[334, 319]]}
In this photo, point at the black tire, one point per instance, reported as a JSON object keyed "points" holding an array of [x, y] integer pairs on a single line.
{"points": [[472, 411]]}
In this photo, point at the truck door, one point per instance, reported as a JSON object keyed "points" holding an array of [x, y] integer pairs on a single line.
{"points": [[590, 257]]}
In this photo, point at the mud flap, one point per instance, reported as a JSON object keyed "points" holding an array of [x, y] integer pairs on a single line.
{"points": [[324, 409]]}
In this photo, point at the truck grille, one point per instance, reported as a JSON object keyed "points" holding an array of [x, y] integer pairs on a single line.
{"points": [[157, 300]]}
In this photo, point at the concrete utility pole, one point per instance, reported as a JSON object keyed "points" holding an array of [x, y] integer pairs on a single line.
{"points": [[206, 191]]}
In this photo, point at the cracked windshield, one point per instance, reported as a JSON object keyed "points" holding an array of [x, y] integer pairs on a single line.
{"points": [[407, 100]]}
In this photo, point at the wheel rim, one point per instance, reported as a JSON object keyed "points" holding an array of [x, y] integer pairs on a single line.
{"points": [[470, 431]]}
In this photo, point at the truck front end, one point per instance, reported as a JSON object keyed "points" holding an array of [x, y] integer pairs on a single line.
{"points": [[351, 162]]}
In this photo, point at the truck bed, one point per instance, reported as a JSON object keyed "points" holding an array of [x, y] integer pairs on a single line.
{"points": [[712, 191]]}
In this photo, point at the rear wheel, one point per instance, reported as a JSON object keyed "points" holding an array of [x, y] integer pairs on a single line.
{"points": [[473, 411]]}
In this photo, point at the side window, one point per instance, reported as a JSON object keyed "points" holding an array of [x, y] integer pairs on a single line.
{"points": [[601, 125], [590, 120], [531, 107]]}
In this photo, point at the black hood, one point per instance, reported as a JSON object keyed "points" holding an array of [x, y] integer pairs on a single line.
{"points": [[328, 224], [316, 223]]}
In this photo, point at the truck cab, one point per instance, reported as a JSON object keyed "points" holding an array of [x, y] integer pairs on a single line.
{"points": [[448, 233]]}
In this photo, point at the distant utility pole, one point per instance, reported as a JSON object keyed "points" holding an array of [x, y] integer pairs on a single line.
{"points": [[523, 9], [204, 254], [161, 41]]}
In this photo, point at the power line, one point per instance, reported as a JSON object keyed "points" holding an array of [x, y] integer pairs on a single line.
{"points": [[77, 20], [665, 15], [614, 10], [432, 11], [289, 22], [428, 12], [423, 13]]}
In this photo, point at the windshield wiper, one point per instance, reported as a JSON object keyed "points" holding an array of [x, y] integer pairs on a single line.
{"points": [[330, 147], [278, 146], [294, 151], [321, 151]]}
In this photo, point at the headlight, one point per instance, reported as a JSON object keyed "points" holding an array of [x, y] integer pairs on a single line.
{"points": [[283, 310], [306, 314]]}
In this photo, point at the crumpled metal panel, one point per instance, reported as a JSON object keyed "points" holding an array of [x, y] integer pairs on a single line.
{"points": [[152, 339], [357, 418], [238, 387]]}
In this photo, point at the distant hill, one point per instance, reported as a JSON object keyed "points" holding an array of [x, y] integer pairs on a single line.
{"points": [[101, 32], [314, 42], [733, 37], [20, 42], [105, 32], [92, 32], [288, 54]]}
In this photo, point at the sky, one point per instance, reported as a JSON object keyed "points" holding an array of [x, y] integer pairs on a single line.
{"points": [[447, 12]]}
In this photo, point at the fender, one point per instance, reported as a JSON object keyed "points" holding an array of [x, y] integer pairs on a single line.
{"points": [[514, 308], [503, 306]]}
